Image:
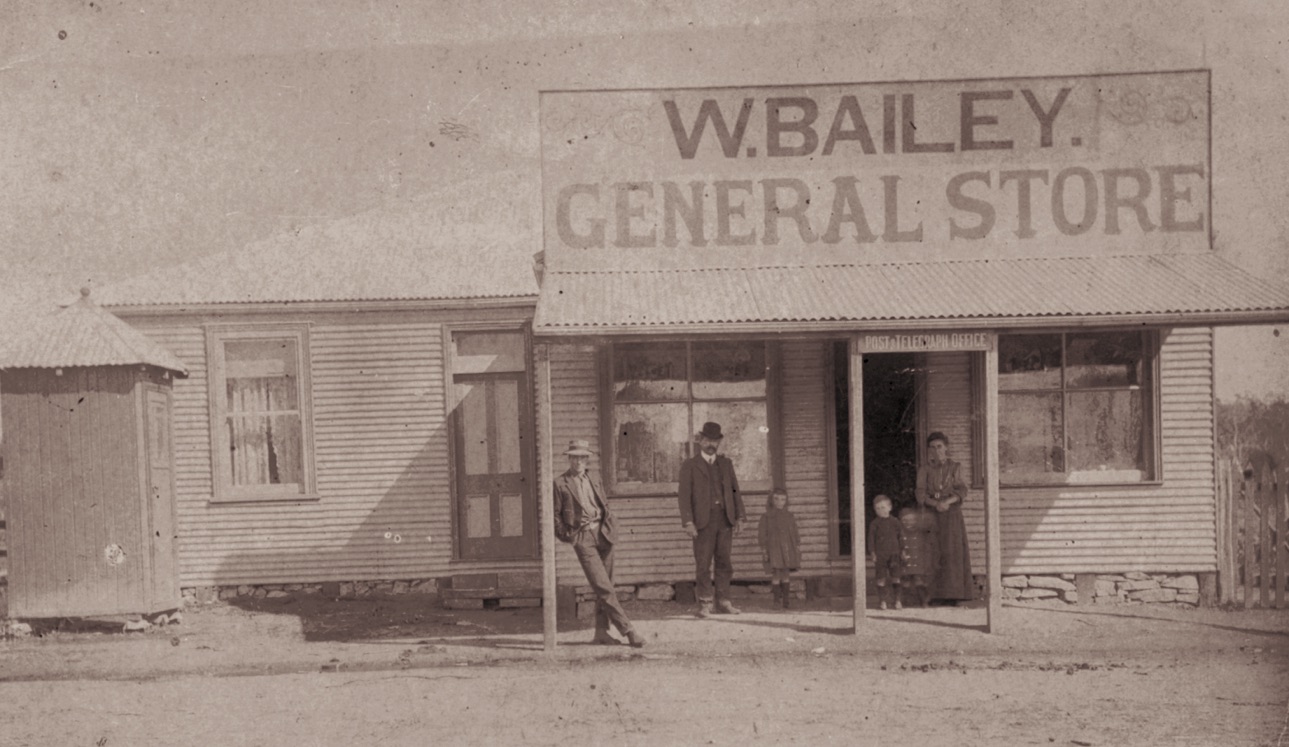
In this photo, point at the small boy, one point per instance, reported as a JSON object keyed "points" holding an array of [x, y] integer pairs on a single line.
{"points": [[886, 548], [920, 550]]}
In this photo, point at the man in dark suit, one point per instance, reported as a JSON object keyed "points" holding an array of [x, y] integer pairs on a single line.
{"points": [[582, 518], [712, 513]]}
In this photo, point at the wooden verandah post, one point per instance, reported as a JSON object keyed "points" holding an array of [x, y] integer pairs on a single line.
{"points": [[993, 499], [858, 551], [546, 496]]}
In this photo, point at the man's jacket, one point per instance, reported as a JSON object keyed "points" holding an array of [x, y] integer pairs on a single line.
{"points": [[569, 511], [696, 496]]}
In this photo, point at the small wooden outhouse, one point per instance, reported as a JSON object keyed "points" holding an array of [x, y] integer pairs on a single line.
{"points": [[89, 468]]}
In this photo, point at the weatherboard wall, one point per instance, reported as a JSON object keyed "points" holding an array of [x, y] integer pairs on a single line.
{"points": [[1165, 526], [383, 503]]}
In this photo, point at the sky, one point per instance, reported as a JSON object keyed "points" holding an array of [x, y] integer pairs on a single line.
{"points": [[141, 134]]}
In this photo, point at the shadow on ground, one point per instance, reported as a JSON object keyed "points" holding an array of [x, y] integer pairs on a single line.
{"points": [[396, 618]]}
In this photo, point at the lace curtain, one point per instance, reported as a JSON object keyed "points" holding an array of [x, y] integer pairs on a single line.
{"points": [[264, 437]]}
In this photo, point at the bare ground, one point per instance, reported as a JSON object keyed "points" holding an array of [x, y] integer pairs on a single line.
{"points": [[397, 670]]}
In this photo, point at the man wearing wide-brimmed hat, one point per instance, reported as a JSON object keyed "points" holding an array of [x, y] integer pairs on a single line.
{"points": [[582, 518], [712, 513]]}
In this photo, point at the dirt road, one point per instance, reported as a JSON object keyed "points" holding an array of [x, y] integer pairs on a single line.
{"points": [[1132, 676]]}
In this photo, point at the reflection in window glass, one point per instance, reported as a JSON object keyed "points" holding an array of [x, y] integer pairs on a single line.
{"points": [[658, 409], [747, 436], [650, 443], [1105, 431], [649, 372], [1103, 360], [1029, 437], [1029, 362], [1087, 422], [728, 371]]}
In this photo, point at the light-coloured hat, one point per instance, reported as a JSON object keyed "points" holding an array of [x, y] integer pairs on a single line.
{"points": [[578, 447]]}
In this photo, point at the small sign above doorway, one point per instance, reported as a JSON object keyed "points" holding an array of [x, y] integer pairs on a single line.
{"points": [[926, 342]]}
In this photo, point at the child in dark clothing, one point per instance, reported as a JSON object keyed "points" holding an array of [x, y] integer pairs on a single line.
{"points": [[886, 548], [921, 550], [780, 545]]}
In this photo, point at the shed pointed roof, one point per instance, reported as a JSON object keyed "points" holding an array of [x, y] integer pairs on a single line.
{"points": [[84, 334]]}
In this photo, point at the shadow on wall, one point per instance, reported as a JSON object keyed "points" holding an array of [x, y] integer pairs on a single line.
{"points": [[303, 557]]}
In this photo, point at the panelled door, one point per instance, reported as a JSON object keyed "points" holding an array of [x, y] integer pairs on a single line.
{"points": [[496, 510], [161, 499]]}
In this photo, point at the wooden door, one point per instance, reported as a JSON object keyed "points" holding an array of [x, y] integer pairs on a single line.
{"points": [[495, 502], [161, 500]]}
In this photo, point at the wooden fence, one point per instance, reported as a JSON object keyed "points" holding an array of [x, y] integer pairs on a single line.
{"points": [[1252, 535]]}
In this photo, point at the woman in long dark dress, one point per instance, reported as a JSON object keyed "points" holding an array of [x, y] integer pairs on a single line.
{"points": [[941, 487]]}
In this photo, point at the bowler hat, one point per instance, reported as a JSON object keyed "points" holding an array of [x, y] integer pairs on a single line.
{"points": [[578, 447], [712, 431]]}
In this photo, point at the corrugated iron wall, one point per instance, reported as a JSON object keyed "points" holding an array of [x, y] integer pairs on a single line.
{"points": [[1164, 527], [381, 444]]}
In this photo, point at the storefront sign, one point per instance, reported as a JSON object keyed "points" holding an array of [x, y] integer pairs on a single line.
{"points": [[1083, 165], [925, 343]]}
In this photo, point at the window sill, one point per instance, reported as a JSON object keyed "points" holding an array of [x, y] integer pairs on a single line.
{"points": [[676, 493], [260, 498], [1013, 487]]}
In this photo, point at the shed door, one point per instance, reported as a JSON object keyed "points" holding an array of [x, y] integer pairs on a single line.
{"points": [[495, 504], [161, 501]]}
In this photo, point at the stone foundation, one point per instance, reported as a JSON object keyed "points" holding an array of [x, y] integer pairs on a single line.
{"points": [[486, 591], [1107, 588]]}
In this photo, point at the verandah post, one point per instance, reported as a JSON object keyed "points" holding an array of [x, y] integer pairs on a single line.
{"points": [[1266, 497], [993, 498], [858, 552], [546, 495], [1248, 494]]}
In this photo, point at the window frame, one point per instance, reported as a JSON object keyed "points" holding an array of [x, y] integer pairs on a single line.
{"points": [[773, 415], [222, 489], [1153, 472]]}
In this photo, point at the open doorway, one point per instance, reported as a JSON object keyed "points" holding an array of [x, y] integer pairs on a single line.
{"points": [[890, 432]]}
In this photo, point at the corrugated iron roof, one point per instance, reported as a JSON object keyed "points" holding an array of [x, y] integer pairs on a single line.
{"points": [[471, 240], [600, 300], [82, 334]]}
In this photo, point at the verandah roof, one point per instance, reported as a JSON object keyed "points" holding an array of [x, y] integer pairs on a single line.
{"points": [[1170, 288]]}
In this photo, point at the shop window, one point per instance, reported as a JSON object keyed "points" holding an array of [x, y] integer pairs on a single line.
{"points": [[260, 424], [1077, 407], [661, 395]]}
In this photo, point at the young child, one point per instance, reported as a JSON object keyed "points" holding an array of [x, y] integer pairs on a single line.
{"points": [[780, 541], [886, 548], [920, 550]]}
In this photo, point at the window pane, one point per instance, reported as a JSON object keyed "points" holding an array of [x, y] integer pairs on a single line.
{"points": [[507, 426], [650, 445], [1029, 437], [747, 437], [479, 352], [1104, 359], [729, 370], [474, 427], [265, 450], [1106, 432], [649, 372], [260, 376], [1029, 362]]}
